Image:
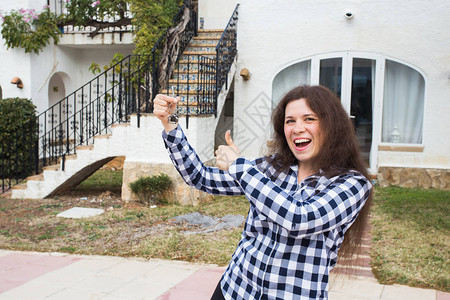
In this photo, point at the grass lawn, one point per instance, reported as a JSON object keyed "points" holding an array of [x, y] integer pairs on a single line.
{"points": [[411, 237], [410, 229]]}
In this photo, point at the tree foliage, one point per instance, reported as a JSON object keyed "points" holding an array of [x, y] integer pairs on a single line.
{"points": [[32, 31], [150, 19], [29, 30]]}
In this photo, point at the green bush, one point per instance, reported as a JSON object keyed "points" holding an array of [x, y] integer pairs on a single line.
{"points": [[149, 188], [18, 138]]}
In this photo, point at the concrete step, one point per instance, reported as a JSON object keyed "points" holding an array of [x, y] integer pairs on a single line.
{"points": [[84, 147], [193, 81], [204, 41], [199, 49], [52, 167], [38, 177], [182, 77], [102, 136]]}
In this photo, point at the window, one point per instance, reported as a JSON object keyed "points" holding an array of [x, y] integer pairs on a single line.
{"points": [[384, 98], [289, 78], [403, 104]]}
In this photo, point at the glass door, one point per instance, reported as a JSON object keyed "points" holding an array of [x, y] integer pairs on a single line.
{"points": [[361, 103], [352, 78]]}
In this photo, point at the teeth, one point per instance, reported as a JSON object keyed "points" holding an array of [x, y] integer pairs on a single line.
{"points": [[299, 141]]}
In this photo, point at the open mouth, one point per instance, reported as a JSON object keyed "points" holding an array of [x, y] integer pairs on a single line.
{"points": [[301, 143]]}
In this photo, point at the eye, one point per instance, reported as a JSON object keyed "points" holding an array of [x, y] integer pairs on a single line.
{"points": [[289, 121], [310, 119]]}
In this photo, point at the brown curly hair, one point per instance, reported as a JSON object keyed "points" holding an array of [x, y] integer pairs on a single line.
{"points": [[338, 153]]}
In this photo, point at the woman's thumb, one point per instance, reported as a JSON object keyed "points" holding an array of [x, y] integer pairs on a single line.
{"points": [[228, 138]]}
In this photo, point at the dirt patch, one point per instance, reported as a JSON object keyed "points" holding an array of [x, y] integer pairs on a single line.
{"points": [[22, 216]]}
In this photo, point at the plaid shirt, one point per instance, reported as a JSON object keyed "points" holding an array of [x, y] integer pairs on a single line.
{"points": [[293, 230]]}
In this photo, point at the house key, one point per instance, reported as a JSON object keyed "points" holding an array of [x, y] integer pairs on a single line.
{"points": [[173, 118]]}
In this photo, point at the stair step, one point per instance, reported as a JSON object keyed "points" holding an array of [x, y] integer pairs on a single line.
{"points": [[194, 58], [199, 50], [194, 54], [52, 167], [85, 147], [204, 41], [182, 77], [184, 81], [181, 93], [193, 110], [216, 33], [182, 66], [120, 125], [102, 136], [193, 89], [38, 177], [22, 186]]}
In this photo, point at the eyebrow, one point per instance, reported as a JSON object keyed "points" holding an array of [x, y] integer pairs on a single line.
{"points": [[305, 115]]}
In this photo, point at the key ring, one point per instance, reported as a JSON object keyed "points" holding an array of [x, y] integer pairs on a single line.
{"points": [[173, 118]]}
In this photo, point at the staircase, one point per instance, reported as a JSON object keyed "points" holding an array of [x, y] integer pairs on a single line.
{"points": [[194, 77], [54, 180], [191, 81], [86, 129]]}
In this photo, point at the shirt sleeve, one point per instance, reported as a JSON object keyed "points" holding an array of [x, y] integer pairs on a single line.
{"points": [[193, 171], [337, 204]]}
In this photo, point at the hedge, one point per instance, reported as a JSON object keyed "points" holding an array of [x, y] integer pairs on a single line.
{"points": [[18, 138]]}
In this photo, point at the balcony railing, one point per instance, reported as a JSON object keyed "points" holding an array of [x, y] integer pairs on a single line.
{"points": [[59, 7]]}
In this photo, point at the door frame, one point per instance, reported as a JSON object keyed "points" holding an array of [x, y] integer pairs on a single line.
{"points": [[346, 88]]}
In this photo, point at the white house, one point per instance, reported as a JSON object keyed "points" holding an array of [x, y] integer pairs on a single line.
{"points": [[389, 61], [59, 69]]}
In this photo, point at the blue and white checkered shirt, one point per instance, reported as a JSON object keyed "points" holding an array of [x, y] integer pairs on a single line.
{"points": [[293, 230]]}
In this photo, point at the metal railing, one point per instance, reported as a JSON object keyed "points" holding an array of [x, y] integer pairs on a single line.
{"points": [[226, 50], [107, 99], [59, 7], [125, 88]]}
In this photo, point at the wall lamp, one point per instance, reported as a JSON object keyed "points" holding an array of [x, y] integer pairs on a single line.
{"points": [[16, 80], [245, 73]]}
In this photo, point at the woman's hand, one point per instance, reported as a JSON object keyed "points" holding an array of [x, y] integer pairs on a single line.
{"points": [[226, 155], [163, 107]]}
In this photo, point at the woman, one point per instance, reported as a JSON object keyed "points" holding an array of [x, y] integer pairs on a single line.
{"points": [[303, 197]]}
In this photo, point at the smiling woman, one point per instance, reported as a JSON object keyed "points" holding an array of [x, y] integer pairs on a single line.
{"points": [[302, 131], [304, 197]]}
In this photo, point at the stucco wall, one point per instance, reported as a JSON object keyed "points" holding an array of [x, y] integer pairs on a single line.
{"points": [[72, 57], [274, 34], [215, 13]]}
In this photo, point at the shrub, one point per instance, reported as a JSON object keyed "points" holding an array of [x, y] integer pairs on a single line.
{"points": [[149, 188], [18, 138]]}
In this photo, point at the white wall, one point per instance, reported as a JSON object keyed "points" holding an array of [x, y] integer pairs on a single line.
{"points": [[70, 58], [272, 34], [215, 13], [14, 62]]}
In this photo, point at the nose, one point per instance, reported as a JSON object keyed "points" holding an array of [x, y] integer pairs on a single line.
{"points": [[299, 127]]}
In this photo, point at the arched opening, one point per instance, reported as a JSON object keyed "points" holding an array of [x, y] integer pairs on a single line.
{"points": [[56, 89], [362, 80]]}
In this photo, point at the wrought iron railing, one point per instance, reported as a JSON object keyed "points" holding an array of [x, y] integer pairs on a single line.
{"points": [[107, 99], [226, 50], [128, 87], [59, 7]]}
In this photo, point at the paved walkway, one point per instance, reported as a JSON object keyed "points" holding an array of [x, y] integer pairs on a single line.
{"points": [[31, 275]]}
